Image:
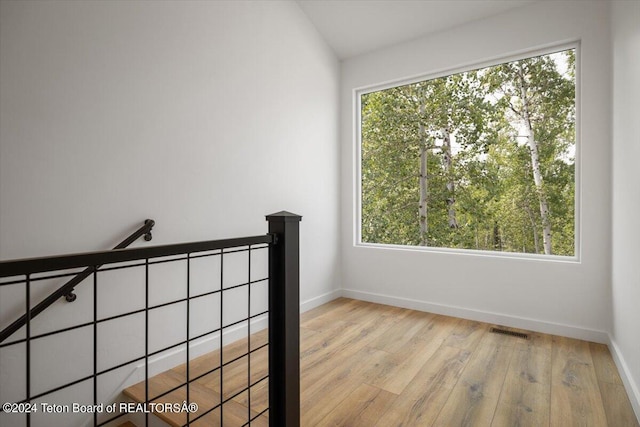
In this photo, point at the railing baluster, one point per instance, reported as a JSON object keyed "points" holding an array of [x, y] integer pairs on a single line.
{"points": [[188, 333], [221, 333], [28, 343], [146, 340], [95, 342], [249, 338]]}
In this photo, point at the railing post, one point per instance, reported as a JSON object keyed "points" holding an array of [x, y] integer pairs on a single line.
{"points": [[284, 320]]}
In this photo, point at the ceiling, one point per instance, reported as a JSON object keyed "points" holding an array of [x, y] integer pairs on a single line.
{"points": [[353, 27]]}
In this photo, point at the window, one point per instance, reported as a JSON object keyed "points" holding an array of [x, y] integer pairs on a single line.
{"points": [[480, 160]]}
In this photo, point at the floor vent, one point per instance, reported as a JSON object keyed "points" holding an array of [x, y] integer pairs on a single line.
{"points": [[511, 333]]}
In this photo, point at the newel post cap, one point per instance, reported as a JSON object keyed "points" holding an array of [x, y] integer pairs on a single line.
{"points": [[284, 216]]}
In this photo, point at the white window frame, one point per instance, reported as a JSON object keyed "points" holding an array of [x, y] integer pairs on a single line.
{"points": [[514, 56]]}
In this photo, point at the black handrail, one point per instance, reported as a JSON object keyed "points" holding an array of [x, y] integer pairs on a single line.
{"points": [[8, 268], [40, 265]]}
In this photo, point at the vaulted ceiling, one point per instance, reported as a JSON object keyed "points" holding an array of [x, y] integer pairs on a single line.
{"points": [[354, 27]]}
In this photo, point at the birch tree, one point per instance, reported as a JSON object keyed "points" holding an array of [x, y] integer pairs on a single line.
{"points": [[450, 109]]}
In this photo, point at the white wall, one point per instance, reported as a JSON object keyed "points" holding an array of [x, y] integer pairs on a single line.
{"points": [[558, 297], [204, 116], [626, 196]]}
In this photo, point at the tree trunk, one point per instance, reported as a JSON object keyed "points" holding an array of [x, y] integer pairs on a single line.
{"points": [[422, 206], [477, 239], [446, 150], [497, 240], [534, 227], [535, 165]]}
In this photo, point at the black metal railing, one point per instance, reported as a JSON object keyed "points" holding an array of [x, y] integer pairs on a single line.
{"points": [[67, 290], [282, 243]]}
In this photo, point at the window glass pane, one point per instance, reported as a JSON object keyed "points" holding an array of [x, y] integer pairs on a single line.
{"points": [[483, 159]]}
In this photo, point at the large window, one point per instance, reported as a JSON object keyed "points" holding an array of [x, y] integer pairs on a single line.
{"points": [[480, 160]]}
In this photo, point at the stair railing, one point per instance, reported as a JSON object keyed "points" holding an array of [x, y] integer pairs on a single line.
{"points": [[283, 312]]}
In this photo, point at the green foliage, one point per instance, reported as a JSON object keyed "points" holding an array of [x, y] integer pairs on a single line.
{"points": [[487, 182]]}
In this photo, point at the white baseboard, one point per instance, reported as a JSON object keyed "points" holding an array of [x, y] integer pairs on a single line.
{"points": [[482, 316], [633, 391], [319, 300]]}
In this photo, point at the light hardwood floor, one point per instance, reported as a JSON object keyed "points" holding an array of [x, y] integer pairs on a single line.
{"points": [[365, 364]]}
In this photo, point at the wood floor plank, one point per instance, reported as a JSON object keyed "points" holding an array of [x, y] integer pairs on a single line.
{"points": [[343, 347], [321, 396], [322, 309], [526, 393], [617, 407], [575, 395], [259, 397], [233, 414], [603, 364], [396, 337], [437, 328], [362, 408], [326, 339], [325, 318], [305, 335], [421, 401], [397, 370], [474, 399], [353, 310], [466, 334], [536, 340]]}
